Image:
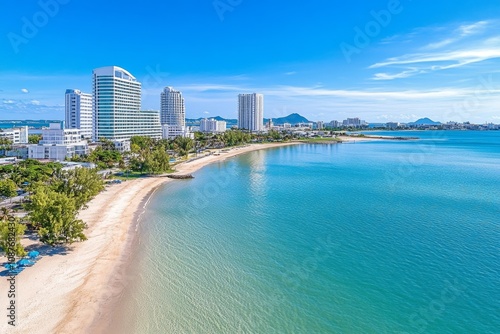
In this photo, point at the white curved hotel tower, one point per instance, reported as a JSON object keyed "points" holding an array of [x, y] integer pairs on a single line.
{"points": [[117, 106], [172, 111]]}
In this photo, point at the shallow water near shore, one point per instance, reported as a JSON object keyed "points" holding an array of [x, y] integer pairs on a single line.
{"points": [[374, 237]]}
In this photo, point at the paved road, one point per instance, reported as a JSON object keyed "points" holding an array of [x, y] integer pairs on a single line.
{"points": [[13, 200]]}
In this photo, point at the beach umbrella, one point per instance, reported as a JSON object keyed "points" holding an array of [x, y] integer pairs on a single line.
{"points": [[33, 254], [10, 266], [24, 262]]}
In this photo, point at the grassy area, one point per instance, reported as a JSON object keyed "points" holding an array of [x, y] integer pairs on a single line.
{"points": [[128, 176]]}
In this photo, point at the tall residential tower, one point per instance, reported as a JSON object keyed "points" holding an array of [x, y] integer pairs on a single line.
{"points": [[251, 112], [172, 109], [78, 112], [117, 107]]}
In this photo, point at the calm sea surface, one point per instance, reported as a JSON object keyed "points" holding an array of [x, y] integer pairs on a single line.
{"points": [[32, 124], [374, 237]]}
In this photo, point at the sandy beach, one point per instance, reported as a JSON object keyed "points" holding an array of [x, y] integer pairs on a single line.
{"points": [[67, 289]]}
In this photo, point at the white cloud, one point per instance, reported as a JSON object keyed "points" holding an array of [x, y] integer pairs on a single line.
{"points": [[24, 90], [457, 58], [458, 34], [29, 107], [440, 44], [472, 29], [294, 91], [404, 74], [426, 62], [466, 44]]}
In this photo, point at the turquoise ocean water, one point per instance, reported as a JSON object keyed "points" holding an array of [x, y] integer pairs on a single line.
{"points": [[374, 237], [6, 124]]}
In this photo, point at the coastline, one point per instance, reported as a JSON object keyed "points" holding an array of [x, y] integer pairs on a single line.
{"points": [[71, 289]]}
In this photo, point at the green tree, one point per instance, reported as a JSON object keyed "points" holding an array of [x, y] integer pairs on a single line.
{"points": [[183, 145], [138, 143], [81, 184], [149, 155], [30, 171], [104, 157], [34, 139], [165, 143], [5, 213], [7, 227], [5, 144], [158, 161], [107, 144], [274, 135], [236, 137], [54, 215], [8, 188]]}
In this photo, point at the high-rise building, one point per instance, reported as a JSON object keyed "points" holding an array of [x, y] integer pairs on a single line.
{"points": [[251, 112], [172, 109], [117, 107], [78, 112], [335, 124]]}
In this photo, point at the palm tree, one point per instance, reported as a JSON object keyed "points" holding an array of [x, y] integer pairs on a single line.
{"points": [[5, 213], [183, 145]]}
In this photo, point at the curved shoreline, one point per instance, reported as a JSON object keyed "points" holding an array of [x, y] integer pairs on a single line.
{"points": [[120, 278], [69, 291]]}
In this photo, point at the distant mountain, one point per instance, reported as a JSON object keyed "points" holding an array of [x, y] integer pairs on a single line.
{"points": [[292, 119], [424, 121], [229, 120]]}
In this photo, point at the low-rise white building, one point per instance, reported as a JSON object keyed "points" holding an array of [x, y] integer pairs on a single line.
{"points": [[392, 125], [122, 145], [174, 131], [212, 125], [19, 151], [56, 152], [58, 144], [16, 135], [70, 165], [55, 135], [354, 122]]}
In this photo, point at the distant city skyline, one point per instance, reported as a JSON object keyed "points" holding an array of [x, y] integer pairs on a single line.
{"points": [[377, 60]]}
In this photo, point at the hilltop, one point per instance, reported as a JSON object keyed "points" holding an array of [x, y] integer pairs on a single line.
{"points": [[292, 119], [424, 121]]}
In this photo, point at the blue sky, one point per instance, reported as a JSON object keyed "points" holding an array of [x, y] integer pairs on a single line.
{"points": [[327, 60]]}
